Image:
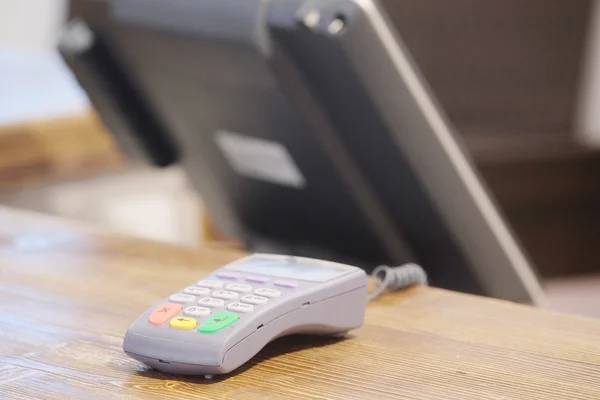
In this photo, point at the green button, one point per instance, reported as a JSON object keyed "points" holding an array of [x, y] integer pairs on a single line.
{"points": [[218, 321]]}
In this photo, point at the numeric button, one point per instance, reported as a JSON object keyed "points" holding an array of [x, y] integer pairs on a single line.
{"points": [[195, 311], [252, 299], [210, 302], [210, 284], [224, 294], [239, 287], [197, 291], [266, 292], [182, 298], [240, 307]]}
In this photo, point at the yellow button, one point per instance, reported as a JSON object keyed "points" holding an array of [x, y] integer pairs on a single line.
{"points": [[183, 323]]}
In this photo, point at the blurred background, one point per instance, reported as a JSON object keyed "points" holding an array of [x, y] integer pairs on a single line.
{"points": [[519, 79]]}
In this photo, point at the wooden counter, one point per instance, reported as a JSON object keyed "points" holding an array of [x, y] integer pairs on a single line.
{"points": [[69, 292]]}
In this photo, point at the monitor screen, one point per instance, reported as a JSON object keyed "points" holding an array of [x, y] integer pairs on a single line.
{"points": [[307, 129]]}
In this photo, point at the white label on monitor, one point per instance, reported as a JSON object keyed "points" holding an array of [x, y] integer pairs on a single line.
{"points": [[260, 159]]}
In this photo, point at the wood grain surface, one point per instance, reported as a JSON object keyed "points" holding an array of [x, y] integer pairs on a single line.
{"points": [[68, 293], [43, 151]]}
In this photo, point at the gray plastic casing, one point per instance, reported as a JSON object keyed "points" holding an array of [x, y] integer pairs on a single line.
{"points": [[328, 308]]}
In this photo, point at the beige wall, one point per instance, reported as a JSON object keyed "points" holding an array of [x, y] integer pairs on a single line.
{"points": [[30, 24]]}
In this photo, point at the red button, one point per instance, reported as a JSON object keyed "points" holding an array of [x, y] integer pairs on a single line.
{"points": [[164, 313]]}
